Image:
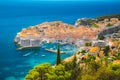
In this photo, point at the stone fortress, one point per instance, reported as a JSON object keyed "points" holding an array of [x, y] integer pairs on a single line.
{"points": [[110, 30]]}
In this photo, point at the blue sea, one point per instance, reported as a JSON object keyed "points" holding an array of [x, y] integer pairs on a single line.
{"points": [[17, 15]]}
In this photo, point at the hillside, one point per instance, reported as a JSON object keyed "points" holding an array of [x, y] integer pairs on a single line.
{"points": [[108, 16]]}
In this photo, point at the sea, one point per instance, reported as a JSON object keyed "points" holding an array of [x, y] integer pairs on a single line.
{"points": [[15, 64]]}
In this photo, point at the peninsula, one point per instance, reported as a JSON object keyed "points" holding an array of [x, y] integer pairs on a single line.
{"points": [[85, 30]]}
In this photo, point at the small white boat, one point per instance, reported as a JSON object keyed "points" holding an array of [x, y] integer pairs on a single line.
{"points": [[51, 48], [48, 41], [27, 54], [43, 55]]}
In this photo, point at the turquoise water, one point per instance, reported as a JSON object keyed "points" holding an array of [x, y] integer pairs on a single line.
{"points": [[13, 17], [13, 64]]}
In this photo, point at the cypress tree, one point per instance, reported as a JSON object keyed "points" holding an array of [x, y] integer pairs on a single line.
{"points": [[58, 55], [74, 64]]}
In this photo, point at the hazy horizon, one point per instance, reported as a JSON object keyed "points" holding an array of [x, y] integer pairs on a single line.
{"points": [[54, 1]]}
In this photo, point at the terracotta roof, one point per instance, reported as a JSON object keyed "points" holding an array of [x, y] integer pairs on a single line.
{"points": [[26, 32], [116, 62], [86, 56], [23, 34], [94, 49]]}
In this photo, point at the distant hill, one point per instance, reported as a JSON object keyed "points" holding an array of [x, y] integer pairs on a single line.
{"points": [[108, 16]]}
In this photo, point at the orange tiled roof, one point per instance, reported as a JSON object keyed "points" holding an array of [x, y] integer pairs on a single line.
{"points": [[27, 32], [22, 34], [113, 52], [94, 49], [63, 29], [116, 62], [86, 56]]}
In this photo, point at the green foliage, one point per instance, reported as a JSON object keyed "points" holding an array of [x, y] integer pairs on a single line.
{"points": [[110, 72], [101, 37], [90, 58], [109, 16], [58, 61], [106, 50], [47, 72], [61, 73], [88, 77], [86, 21], [75, 68], [94, 66], [39, 30], [72, 71], [117, 55], [74, 62], [95, 25], [83, 51], [91, 21], [108, 25], [39, 72], [88, 44], [104, 73]]}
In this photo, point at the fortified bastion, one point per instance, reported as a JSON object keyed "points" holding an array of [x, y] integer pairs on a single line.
{"points": [[110, 30]]}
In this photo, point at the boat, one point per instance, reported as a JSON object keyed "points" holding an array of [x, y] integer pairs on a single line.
{"points": [[20, 48], [27, 54], [43, 55]]}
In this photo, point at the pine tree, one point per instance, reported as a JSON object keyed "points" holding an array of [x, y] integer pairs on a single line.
{"points": [[58, 55]]}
